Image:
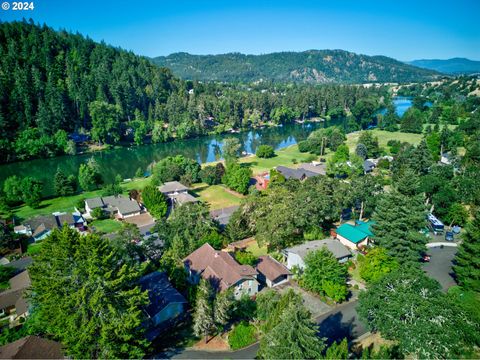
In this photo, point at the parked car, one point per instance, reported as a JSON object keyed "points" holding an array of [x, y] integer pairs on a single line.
{"points": [[426, 258], [456, 229], [449, 236]]}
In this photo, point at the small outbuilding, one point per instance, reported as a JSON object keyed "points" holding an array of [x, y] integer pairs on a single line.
{"points": [[355, 236]]}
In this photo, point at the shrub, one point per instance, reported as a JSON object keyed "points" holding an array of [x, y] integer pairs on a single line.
{"points": [[311, 158], [304, 146], [241, 336], [265, 151], [245, 258], [98, 213]]}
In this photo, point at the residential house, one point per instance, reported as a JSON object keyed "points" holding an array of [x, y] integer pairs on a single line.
{"points": [[223, 215], [355, 236], [32, 347], [177, 193], [41, 226], [13, 304], [118, 205], [296, 254], [271, 272], [299, 174], [73, 220], [368, 166], [261, 181], [22, 230], [21, 264], [222, 270], [166, 304], [314, 167]]}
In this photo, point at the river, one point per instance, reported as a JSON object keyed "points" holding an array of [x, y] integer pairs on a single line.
{"points": [[126, 160]]}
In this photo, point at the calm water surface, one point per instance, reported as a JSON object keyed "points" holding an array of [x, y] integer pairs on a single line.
{"points": [[125, 161]]}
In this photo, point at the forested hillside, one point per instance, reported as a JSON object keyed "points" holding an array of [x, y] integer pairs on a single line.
{"points": [[313, 66], [53, 84], [449, 66]]}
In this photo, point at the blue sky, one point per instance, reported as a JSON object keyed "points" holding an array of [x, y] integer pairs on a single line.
{"points": [[404, 30]]}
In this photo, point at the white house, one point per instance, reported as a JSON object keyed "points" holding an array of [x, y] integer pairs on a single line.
{"points": [[296, 255]]}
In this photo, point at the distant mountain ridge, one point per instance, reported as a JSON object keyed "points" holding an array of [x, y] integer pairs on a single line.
{"points": [[312, 66], [449, 66]]}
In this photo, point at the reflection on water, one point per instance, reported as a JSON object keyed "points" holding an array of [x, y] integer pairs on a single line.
{"points": [[125, 161]]}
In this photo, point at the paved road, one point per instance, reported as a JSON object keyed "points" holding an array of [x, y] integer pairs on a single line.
{"points": [[440, 265], [335, 325], [340, 322]]}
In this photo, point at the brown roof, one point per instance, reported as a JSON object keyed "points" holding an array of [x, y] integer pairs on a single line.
{"points": [[20, 281], [15, 295], [271, 268], [32, 347], [217, 266]]}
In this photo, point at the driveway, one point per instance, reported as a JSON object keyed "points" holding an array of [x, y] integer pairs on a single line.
{"points": [[335, 325], [313, 304], [440, 265]]}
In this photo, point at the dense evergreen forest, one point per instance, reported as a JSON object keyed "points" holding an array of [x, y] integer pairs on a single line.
{"points": [[313, 66], [56, 84]]}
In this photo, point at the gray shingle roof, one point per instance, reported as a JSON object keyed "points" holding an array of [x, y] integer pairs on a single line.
{"points": [[183, 198], [94, 203], [124, 205], [334, 246], [223, 215], [298, 174], [172, 186]]}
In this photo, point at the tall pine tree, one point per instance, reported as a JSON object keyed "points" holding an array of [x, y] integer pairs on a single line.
{"points": [[294, 337], [203, 320], [467, 268], [86, 295], [398, 220]]}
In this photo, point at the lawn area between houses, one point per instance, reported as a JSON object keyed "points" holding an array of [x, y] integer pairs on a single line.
{"points": [[67, 203], [217, 196], [106, 225], [384, 137], [283, 157], [256, 250]]}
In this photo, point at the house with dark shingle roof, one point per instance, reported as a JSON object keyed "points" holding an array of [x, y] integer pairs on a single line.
{"points": [[177, 193], [32, 347], [271, 272], [355, 236], [13, 304], [165, 305], [118, 205], [296, 254], [221, 270], [299, 174], [223, 215]]}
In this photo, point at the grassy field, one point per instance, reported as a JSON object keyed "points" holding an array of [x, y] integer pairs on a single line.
{"points": [[106, 226], [384, 137], [68, 203], [217, 196], [284, 157]]}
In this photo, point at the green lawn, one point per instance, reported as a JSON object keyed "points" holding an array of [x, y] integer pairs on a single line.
{"points": [[384, 137], [256, 250], [217, 196], [68, 203], [106, 226], [34, 248], [284, 157]]}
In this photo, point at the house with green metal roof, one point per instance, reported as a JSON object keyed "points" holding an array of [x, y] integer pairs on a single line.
{"points": [[355, 236]]}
